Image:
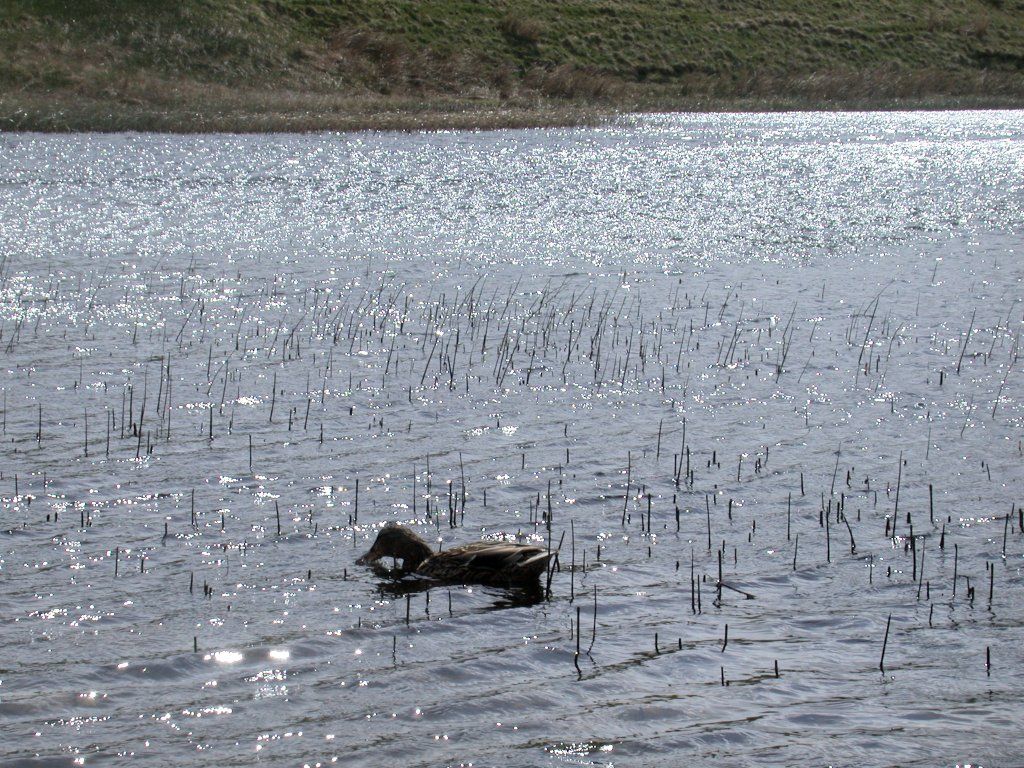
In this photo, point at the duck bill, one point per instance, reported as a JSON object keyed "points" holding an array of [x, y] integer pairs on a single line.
{"points": [[370, 557]]}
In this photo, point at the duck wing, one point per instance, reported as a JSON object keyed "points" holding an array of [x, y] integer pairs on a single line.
{"points": [[488, 563]]}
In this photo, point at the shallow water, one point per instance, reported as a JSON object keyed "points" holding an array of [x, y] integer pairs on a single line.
{"points": [[750, 318]]}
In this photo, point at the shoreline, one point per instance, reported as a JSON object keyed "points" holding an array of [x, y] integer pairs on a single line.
{"points": [[252, 112], [256, 66]]}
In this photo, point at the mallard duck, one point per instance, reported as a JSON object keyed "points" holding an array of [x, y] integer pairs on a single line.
{"points": [[494, 563]]}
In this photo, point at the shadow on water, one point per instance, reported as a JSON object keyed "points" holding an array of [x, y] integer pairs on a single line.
{"points": [[396, 584]]}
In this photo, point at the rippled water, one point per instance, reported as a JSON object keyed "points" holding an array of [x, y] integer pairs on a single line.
{"points": [[801, 332]]}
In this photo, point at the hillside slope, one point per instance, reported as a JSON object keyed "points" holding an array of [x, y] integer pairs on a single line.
{"points": [[306, 64]]}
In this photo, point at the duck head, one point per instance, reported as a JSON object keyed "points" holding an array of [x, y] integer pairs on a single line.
{"points": [[398, 542]]}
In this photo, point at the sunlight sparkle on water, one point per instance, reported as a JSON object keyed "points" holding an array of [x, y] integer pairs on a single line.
{"points": [[777, 324], [225, 657]]}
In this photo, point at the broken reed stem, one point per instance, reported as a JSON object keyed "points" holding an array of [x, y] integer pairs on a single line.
{"points": [[899, 478], [828, 536], [718, 598], [576, 656], [593, 631], [991, 583], [885, 642], [920, 581], [707, 508], [956, 562], [572, 565], [963, 348]]}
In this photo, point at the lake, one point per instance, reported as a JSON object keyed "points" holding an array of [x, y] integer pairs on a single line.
{"points": [[755, 376]]}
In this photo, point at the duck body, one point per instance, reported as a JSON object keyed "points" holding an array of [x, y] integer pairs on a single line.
{"points": [[492, 563]]}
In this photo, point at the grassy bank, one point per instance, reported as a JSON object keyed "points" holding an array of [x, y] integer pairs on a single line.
{"points": [[199, 65]]}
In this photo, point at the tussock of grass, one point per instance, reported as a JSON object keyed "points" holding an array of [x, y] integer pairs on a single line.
{"points": [[567, 81], [522, 28], [306, 64]]}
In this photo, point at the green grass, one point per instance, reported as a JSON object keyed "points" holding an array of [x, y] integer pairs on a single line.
{"points": [[304, 64]]}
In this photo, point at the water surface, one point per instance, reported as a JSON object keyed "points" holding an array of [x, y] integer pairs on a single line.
{"points": [[800, 331]]}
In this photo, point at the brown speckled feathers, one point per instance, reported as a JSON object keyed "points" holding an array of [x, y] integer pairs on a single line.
{"points": [[488, 563]]}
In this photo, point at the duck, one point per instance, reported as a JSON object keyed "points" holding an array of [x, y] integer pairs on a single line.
{"points": [[491, 563]]}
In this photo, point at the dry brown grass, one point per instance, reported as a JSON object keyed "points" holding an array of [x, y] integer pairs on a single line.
{"points": [[978, 26], [521, 28], [878, 89], [184, 107], [567, 81], [151, 103]]}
